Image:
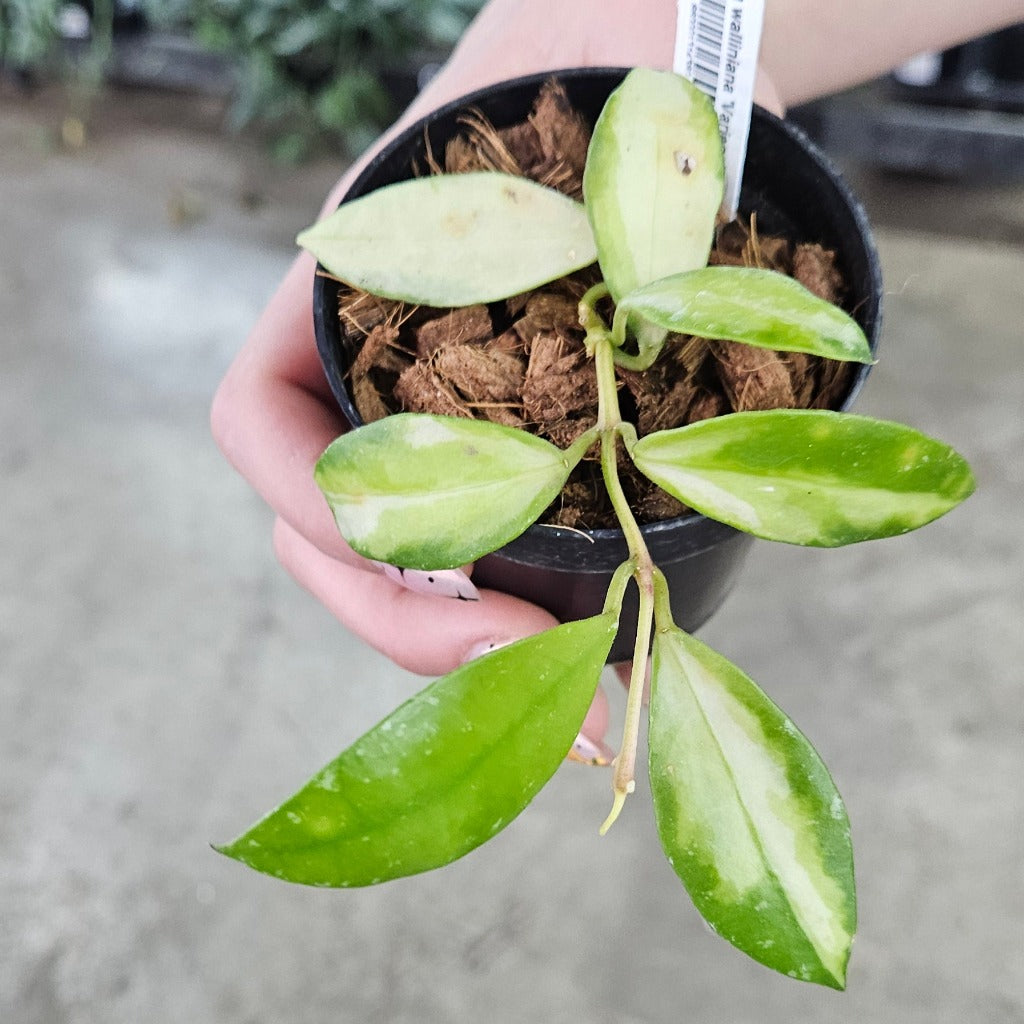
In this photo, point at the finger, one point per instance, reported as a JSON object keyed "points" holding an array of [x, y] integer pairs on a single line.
{"points": [[420, 632], [589, 746], [595, 725], [766, 94], [273, 414]]}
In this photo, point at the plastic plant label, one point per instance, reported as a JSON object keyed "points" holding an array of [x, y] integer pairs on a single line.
{"points": [[717, 43]]}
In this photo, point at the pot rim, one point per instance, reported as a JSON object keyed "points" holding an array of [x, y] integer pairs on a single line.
{"points": [[793, 133]]}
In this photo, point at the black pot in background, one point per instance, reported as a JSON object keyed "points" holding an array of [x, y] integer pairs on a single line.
{"points": [[985, 73], [795, 191]]}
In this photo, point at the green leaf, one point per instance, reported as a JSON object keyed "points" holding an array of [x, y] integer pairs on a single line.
{"points": [[654, 180], [300, 34], [757, 307], [435, 492], [748, 816], [454, 239], [807, 477], [441, 774]]}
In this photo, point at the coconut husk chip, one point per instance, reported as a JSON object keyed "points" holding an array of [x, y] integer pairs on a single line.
{"points": [[479, 148], [560, 382], [564, 138], [368, 400], [523, 143], [707, 405], [360, 311], [546, 313], [833, 379], [815, 268], [510, 343], [456, 327], [374, 371], [422, 389], [660, 402], [488, 382], [754, 379]]}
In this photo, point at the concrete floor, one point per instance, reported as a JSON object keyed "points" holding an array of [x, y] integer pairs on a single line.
{"points": [[163, 682]]}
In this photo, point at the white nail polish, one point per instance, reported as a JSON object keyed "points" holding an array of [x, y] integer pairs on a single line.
{"points": [[478, 650], [452, 583], [588, 751]]}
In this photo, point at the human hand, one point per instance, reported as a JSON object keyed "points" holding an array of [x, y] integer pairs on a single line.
{"points": [[272, 416]]}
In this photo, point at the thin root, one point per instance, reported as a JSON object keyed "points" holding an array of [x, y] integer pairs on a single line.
{"points": [[618, 803]]}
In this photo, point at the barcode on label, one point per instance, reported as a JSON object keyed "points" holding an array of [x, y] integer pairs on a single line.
{"points": [[716, 48], [708, 37]]}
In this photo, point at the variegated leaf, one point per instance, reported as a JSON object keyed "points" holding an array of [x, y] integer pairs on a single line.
{"points": [[748, 815], [654, 179], [435, 492], [454, 239], [757, 307], [807, 476]]}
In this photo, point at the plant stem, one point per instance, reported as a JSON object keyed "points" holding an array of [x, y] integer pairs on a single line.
{"points": [[617, 588], [611, 427], [590, 319], [623, 778], [662, 606], [580, 447], [608, 416], [630, 527]]}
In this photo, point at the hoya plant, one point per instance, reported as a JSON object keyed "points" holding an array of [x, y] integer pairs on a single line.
{"points": [[748, 815]]}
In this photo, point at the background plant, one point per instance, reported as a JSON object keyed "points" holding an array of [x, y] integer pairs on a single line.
{"points": [[30, 35], [746, 811], [316, 72], [311, 74]]}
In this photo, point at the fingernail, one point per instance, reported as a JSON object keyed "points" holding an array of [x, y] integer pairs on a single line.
{"points": [[440, 583], [478, 650], [588, 751]]}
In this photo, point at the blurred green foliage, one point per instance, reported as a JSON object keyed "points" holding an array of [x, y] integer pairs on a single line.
{"points": [[28, 32], [311, 73], [315, 71]]}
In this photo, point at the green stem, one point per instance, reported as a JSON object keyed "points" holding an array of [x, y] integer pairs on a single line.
{"points": [[662, 606], [617, 588], [619, 319], [637, 362], [608, 416], [590, 320], [650, 340], [611, 427], [623, 779], [601, 344], [620, 504], [580, 447]]}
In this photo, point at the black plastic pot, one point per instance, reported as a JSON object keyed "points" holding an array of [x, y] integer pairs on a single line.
{"points": [[985, 74], [795, 191]]}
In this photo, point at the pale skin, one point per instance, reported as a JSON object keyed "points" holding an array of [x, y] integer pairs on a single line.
{"points": [[273, 414]]}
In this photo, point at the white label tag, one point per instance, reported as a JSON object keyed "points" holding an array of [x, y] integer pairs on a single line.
{"points": [[717, 42]]}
